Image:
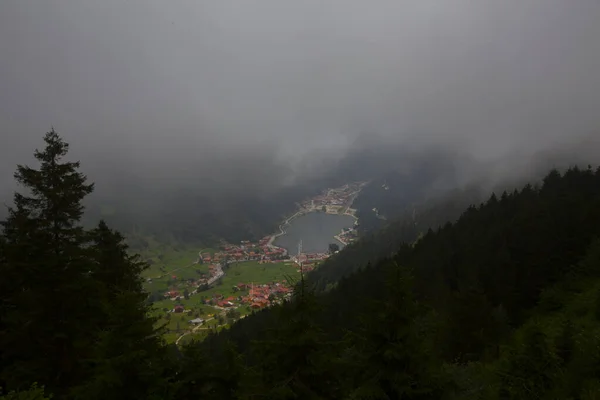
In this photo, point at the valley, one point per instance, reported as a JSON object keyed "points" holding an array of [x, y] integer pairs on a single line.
{"points": [[194, 291], [300, 200], [475, 301]]}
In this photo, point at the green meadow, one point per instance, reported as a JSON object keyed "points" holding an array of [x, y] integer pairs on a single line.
{"points": [[243, 272]]}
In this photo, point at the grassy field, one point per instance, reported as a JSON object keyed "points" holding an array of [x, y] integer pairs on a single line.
{"points": [[168, 261], [177, 324], [243, 272], [164, 256], [252, 272], [191, 271], [174, 259]]}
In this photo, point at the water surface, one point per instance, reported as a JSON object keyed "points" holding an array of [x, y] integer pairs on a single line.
{"points": [[316, 230]]}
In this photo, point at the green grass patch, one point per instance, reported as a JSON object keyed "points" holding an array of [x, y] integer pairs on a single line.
{"points": [[170, 337], [243, 272], [251, 272], [169, 261], [173, 259]]}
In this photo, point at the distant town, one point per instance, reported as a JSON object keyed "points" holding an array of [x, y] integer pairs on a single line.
{"points": [[249, 295], [331, 201]]}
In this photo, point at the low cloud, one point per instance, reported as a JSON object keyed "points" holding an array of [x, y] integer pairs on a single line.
{"points": [[240, 97]]}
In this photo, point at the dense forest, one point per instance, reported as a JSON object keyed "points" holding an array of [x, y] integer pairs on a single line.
{"points": [[377, 244], [501, 303]]}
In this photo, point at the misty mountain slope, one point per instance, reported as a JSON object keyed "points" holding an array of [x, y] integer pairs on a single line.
{"points": [[413, 206], [378, 244], [190, 95], [197, 216], [396, 193], [402, 178], [512, 285]]}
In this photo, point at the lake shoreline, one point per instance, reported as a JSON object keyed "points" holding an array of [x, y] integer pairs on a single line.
{"points": [[315, 240], [335, 208]]}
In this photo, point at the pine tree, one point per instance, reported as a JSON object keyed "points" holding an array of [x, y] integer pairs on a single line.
{"points": [[296, 361], [73, 312], [127, 359], [469, 327], [210, 376], [390, 357], [565, 342], [44, 299], [33, 393], [597, 306], [531, 369]]}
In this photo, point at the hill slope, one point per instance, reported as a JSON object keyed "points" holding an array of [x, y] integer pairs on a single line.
{"points": [[475, 309]]}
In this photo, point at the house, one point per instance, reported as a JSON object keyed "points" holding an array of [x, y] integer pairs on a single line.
{"points": [[178, 309], [224, 303], [196, 321]]}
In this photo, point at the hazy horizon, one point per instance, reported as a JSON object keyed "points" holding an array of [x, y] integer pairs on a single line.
{"points": [[254, 96]]}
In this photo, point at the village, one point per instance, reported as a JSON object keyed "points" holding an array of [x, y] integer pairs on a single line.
{"points": [[261, 266], [258, 295], [334, 201]]}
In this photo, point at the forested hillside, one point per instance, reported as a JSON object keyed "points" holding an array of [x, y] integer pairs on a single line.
{"points": [[393, 194], [380, 243], [73, 315], [505, 306], [504, 303]]}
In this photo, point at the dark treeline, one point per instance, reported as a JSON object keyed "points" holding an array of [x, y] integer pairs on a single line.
{"points": [[73, 315], [375, 245], [502, 304]]}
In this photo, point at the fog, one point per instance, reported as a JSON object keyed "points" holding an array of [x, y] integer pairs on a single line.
{"points": [[254, 95]]}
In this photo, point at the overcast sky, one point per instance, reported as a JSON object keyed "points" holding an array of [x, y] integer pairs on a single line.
{"points": [[228, 89]]}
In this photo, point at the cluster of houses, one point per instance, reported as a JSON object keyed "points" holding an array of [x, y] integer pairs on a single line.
{"points": [[347, 235], [262, 251], [173, 294], [253, 296], [308, 260], [258, 296], [333, 199]]}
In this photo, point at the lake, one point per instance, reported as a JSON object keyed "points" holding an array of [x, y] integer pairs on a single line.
{"points": [[316, 230]]}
